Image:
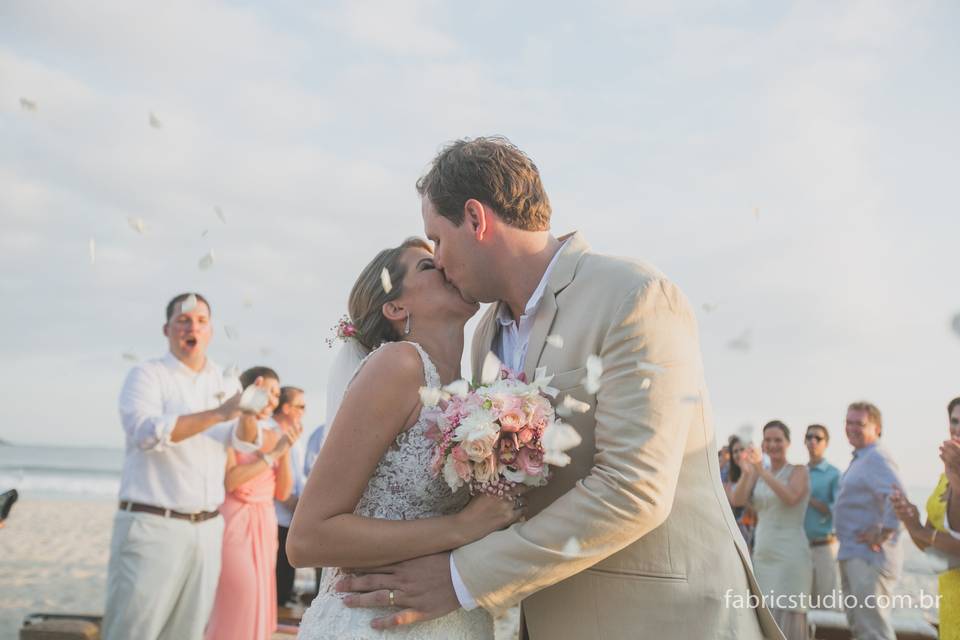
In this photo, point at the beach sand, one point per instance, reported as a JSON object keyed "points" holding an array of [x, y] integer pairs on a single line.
{"points": [[53, 558]]}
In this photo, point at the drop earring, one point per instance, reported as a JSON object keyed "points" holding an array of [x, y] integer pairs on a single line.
{"points": [[406, 327]]}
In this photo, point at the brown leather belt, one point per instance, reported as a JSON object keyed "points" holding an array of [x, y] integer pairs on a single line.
{"points": [[168, 513], [823, 541]]}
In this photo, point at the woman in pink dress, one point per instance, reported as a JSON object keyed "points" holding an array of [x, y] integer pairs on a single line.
{"points": [[245, 606]]}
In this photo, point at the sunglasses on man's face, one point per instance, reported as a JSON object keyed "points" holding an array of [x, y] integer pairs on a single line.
{"points": [[813, 436], [300, 406]]}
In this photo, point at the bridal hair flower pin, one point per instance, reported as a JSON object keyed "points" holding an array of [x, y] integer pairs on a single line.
{"points": [[343, 330]]}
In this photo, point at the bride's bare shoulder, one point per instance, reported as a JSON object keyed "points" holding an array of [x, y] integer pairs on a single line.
{"points": [[398, 362]]}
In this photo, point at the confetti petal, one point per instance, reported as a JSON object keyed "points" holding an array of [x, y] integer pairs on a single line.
{"points": [[189, 303], [231, 331], [574, 405], [555, 341], [742, 343], [594, 370], [491, 368], [155, 121], [430, 396], [93, 251], [557, 438], [265, 351], [132, 357], [137, 224], [649, 366], [233, 371], [220, 396], [203, 234], [248, 303], [571, 548], [206, 261], [254, 399], [710, 308], [645, 384], [458, 388], [28, 105], [385, 281], [220, 214], [955, 324], [690, 399]]}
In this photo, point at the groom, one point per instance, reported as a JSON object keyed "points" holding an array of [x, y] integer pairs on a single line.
{"points": [[636, 532]]}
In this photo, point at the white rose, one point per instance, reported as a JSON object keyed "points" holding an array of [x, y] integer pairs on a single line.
{"points": [[450, 474]]}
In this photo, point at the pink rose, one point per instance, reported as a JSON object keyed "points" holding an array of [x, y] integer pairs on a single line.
{"points": [[530, 461], [436, 464], [486, 470], [512, 421], [526, 434], [481, 447], [459, 454]]}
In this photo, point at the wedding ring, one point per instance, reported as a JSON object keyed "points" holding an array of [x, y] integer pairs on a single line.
{"points": [[518, 502], [392, 597]]}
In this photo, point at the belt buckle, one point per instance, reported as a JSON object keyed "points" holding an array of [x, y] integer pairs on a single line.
{"points": [[194, 517]]}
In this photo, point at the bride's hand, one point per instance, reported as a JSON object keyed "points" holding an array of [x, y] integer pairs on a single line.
{"points": [[485, 513]]}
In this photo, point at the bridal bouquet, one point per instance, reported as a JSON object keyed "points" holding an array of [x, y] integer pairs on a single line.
{"points": [[498, 435]]}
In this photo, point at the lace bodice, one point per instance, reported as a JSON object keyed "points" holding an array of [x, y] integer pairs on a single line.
{"points": [[402, 487]]}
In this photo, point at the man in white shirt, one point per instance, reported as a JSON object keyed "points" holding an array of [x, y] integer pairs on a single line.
{"points": [[179, 414], [289, 414]]}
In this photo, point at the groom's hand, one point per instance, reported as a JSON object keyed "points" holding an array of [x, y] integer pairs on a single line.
{"points": [[422, 587]]}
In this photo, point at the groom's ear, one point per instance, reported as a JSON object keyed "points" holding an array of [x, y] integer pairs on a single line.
{"points": [[475, 215]]}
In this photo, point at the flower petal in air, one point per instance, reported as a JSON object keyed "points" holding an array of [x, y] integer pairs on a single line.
{"points": [[645, 384], [231, 331], [571, 548], [220, 214], [555, 341], [574, 405], [189, 304], [132, 357], [430, 396], [458, 388], [155, 121], [594, 370], [955, 324], [206, 261], [93, 251], [385, 280], [254, 399], [491, 369], [557, 438], [28, 105], [137, 224]]}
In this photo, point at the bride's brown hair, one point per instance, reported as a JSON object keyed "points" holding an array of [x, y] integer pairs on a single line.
{"points": [[368, 295]]}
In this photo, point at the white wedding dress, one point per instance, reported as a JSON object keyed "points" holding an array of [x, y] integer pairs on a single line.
{"points": [[401, 488]]}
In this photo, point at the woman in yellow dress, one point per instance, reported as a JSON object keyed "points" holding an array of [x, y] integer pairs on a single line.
{"points": [[934, 535]]}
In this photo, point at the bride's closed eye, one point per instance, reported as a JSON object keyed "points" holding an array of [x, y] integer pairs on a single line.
{"points": [[425, 264]]}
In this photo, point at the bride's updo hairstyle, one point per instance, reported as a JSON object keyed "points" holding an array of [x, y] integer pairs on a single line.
{"points": [[368, 296]]}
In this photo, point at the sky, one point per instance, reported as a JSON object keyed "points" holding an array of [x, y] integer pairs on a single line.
{"points": [[786, 163]]}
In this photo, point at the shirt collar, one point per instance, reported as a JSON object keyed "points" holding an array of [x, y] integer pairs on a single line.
{"points": [[864, 450], [503, 314], [174, 364], [823, 465]]}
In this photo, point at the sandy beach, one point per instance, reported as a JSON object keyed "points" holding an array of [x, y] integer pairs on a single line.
{"points": [[53, 558]]}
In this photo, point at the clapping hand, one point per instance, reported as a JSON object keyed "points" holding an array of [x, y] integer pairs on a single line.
{"points": [[950, 454], [906, 511], [751, 458]]}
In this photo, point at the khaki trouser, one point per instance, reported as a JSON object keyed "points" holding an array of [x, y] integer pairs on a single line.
{"points": [[826, 576], [867, 621], [162, 577]]}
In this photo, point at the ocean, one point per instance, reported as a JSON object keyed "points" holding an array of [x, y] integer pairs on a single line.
{"points": [[61, 473]]}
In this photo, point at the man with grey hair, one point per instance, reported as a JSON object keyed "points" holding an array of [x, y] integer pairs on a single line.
{"points": [[870, 554]]}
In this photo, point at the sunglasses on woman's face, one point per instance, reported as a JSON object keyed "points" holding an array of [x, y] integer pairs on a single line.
{"points": [[813, 436]]}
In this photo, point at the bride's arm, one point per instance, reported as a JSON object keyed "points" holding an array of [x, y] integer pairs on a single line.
{"points": [[382, 401]]}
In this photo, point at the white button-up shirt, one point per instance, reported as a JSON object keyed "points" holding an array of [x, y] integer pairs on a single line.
{"points": [[511, 347], [185, 476]]}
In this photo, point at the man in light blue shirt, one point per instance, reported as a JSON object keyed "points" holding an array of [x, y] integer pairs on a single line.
{"points": [[289, 411], [870, 555], [818, 521]]}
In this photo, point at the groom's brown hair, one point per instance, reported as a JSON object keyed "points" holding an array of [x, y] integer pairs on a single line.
{"points": [[495, 172]]}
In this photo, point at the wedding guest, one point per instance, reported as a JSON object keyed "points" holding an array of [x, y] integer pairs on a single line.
{"points": [[818, 522], [165, 550], [744, 515], [781, 556], [289, 412], [245, 607], [723, 456], [870, 554], [314, 443], [933, 535]]}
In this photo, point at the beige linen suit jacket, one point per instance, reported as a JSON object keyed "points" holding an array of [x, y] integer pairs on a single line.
{"points": [[660, 554]]}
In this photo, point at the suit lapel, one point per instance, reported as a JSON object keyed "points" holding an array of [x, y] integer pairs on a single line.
{"points": [[483, 340]]}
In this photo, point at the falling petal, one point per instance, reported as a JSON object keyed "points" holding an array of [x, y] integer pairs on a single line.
{"points": [[430, 396], [137, 224], [571, 548], [691, 399], [956, 324], [155, 121], [645, 384], [231, 331], [557, 438], [220, 396], [458, 388], [220, 214], [189, 303], [206, 261], [28, 105], [248, 303], [555, 341], [710, 308], [491, 368], [648, 366], [574, 405], [385, 280], [563, 412], [254, 399], [203, 234], [132, 357], [742, 343], [265, 351], [93, 251], [594, 370], [233, 371]]}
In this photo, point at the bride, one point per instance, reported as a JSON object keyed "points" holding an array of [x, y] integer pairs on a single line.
{"points": [[371, 499]]}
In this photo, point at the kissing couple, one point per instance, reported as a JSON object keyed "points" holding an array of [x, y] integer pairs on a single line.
{"points": [[634, 533]]}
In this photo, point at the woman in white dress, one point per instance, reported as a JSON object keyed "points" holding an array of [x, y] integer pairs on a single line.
{"points": [[781, 553], [371, 499]]}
